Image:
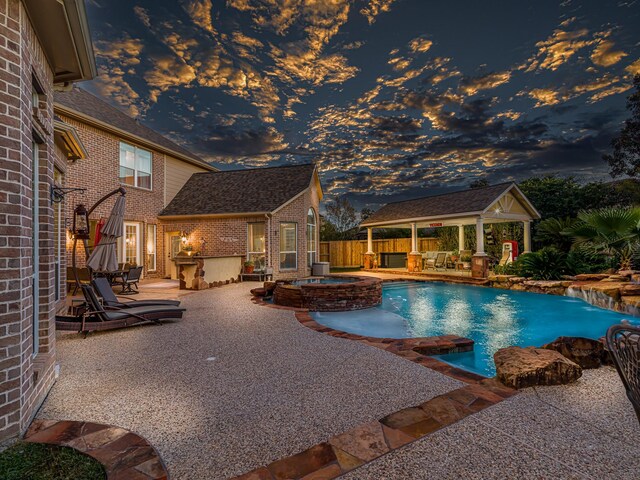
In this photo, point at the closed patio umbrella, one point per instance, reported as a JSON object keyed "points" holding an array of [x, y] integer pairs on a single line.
{"points": [[104, 258]]}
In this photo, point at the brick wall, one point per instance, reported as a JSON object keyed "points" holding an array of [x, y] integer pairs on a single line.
{"points": [[228, 236], [99, 175], [25, 375]]}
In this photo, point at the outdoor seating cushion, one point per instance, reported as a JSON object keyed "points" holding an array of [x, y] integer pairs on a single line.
{"points": [[103, 287], [142, 311]]}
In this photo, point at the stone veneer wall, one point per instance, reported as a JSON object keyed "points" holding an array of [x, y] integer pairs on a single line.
{"points": [[25, 376], [331, 297]]}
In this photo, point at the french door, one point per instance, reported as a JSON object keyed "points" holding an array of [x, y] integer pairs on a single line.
{"points": [[130, 244]]}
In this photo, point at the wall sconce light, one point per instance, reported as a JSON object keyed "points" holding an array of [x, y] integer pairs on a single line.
{"points": [[184, 238]]}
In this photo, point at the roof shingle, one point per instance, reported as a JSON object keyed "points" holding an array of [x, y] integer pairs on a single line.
{"points": [[240, 191], [471, 200], [85, 103]]}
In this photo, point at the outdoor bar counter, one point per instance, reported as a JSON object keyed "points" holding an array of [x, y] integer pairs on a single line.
{"points": [[200, 272]]}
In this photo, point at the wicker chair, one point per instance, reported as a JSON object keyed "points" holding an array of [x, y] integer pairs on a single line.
{"points": [[623, 342]]}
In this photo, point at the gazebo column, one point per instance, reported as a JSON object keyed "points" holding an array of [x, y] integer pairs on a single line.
{"points": [[527, 236], [460, 238], [480, 261], [414, 259], [370, 256]]}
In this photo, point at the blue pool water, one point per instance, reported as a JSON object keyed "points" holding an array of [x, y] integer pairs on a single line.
{"points": [[493, 318]]}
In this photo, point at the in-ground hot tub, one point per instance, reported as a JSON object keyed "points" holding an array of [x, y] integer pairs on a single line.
{"points": [[330, 294]]}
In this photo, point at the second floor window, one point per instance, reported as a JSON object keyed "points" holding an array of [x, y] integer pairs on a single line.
{"points": [[135, 166]]}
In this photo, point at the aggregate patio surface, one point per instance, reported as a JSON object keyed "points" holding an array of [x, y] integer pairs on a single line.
{"points": [[275, 388]]}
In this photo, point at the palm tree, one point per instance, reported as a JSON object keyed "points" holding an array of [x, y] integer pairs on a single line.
{"points": [[552, 232], [611, 231]]}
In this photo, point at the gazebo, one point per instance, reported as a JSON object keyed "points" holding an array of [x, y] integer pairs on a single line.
{"points": [[500, 203]]}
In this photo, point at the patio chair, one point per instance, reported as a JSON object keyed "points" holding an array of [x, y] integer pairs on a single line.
{"points": [[623, 343], [104, 290], [130, 280], [115, 317], [440, 261], [83, 275]]}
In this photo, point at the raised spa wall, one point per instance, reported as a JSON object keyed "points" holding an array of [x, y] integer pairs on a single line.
{"points": [[363, 292]]}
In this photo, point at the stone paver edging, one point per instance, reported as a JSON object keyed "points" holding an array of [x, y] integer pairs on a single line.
{"points": [[125, 455], [365, 443]]}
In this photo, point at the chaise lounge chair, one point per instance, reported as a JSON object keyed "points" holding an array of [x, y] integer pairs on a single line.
{"points": [[104, 290], [100, 317], [623, 343]]}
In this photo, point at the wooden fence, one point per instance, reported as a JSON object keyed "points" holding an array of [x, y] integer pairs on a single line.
{"points": [[350, 253]]}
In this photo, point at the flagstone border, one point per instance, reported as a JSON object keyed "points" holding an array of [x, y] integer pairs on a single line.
{"points": [[369, 441], [124, 454]]}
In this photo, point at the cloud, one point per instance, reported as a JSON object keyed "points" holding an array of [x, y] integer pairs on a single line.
{"points": [[233, 142], [420, 45], [375, 8], [634, 68], [604, 55], [168, 72], [200, 13], [558, 49], [313, 68], [472, 85]]}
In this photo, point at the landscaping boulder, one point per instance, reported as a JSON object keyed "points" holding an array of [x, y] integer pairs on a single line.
{"points": [[585, 352], [631, 289], [591, 277], [519, 367]]}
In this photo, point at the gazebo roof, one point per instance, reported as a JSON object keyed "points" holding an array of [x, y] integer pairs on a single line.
{"points": [[501, 202]]}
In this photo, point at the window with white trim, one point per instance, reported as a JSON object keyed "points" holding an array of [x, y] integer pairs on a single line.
{"points": [[256, 245], [151, 247], [288, 246], [312, 225], [135, 166]]}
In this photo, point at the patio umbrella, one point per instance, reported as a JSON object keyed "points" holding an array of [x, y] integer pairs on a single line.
{"points": [[103, 258]]}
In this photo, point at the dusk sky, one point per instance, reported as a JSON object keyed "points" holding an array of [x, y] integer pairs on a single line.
{"points": [[392, 98]]}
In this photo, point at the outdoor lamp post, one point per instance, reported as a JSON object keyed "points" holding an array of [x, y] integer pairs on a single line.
{"points": [[81, 223]]}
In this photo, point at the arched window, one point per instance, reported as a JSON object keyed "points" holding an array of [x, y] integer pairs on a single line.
{"points": [[312, 237]]}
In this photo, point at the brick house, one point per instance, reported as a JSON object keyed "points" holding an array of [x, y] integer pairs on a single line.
{"points": [[266, 215], [43, 45], [122, 152]]}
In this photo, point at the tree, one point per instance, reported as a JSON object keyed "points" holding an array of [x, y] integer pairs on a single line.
{"points": [[479, 183], [614, 232], [552, 232], [365, 213], [342, 216], [625, 159]]}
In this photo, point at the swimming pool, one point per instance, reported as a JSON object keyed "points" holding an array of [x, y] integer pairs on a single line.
{"points": [[493, 318]]}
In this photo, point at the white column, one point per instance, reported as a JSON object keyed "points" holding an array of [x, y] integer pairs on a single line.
{"points": [[527, 236], [414, 239], [369, 240], [460, 237], [480, 236]]}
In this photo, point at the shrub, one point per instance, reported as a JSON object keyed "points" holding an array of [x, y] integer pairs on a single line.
{"points": [[546, 264]]}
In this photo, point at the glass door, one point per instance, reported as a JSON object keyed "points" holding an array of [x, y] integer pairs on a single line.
{"points": [[130, 244]]}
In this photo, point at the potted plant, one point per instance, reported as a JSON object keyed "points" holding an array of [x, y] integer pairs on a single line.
{"points": [[455, 255], [188, 249], [466, 262], [248, 266]]}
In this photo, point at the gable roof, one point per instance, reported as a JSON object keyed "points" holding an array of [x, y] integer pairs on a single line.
{"points": [[470, 201], [86, 107], [233, 192]]}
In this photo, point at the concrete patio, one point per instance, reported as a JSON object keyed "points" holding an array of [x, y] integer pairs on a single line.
{"points": [[235, 386]]}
